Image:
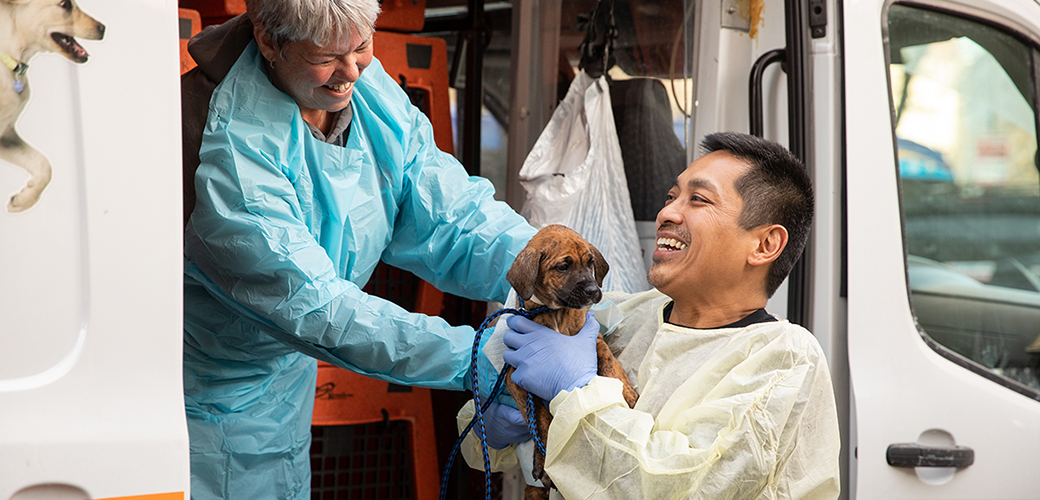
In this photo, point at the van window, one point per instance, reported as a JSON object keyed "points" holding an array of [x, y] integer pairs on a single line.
{"points": [[963, 102]]}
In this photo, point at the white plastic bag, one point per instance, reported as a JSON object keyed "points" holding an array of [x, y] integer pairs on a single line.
{"points": [[575, 176]]}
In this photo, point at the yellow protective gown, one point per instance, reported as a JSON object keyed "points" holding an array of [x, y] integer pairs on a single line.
{"points": [[734, 413]]}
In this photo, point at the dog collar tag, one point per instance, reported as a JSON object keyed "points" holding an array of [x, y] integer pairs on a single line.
{"points": [[19, 86]]}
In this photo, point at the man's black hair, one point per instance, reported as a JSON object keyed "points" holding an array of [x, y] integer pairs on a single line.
{"points": [[775, 190]]}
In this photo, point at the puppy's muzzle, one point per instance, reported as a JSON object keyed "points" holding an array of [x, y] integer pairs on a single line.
{"points": [[584, 294]]}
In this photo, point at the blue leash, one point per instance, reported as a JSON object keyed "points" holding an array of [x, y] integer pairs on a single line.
{"points": [[479, 408], [532, 427]]}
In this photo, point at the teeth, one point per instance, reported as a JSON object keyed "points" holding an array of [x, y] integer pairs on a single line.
{"points": [[670, 244], [339, 88]]}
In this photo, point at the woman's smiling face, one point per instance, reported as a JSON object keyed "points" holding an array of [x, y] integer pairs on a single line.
{"points": [[319, 78]]}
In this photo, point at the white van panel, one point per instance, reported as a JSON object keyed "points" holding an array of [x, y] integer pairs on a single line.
{"points": [[90, 308], [44, 266], [905, 392]]}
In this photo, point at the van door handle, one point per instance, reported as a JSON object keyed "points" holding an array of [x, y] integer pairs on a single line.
{"points": [[916, 455], [756, 118]]}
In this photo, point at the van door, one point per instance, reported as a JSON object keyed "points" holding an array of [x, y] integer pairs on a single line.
{"points": [[943, 217], [91, 399]]}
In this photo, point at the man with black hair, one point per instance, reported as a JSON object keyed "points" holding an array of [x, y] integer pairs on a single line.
{"points": [[733, 403]]}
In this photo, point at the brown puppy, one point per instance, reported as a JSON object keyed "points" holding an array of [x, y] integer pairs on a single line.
{"points": [[562, 271]]}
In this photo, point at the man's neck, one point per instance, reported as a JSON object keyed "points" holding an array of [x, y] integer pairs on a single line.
{"points": [[711, 312]]}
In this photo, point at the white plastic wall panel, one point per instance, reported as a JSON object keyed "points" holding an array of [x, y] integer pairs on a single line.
{"points": [[90, 276]]}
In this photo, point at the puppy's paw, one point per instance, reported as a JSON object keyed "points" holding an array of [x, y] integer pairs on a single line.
{"points": [[23, 200], [19, 203]]}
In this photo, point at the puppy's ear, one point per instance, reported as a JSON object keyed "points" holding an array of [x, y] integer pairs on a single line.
{"points": [[524, 272], [599, 264]]}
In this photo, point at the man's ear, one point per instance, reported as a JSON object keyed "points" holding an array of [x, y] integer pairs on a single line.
{"points": [[772, 239], [267, 46]]}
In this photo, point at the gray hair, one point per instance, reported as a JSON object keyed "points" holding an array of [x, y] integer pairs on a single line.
{"points": [[320, 21]]}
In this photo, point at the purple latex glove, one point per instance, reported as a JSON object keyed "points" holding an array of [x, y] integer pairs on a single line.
{"points": [[504, 426], [547, 361]]}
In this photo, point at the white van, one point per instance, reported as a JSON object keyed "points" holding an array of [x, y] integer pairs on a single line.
{"points": [[918, 119]]}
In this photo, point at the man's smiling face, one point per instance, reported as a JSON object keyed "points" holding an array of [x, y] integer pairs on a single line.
{"points": [[700, 244]]}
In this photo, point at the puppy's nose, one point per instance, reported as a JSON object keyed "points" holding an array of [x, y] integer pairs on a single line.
{"points": [[591, 290]]}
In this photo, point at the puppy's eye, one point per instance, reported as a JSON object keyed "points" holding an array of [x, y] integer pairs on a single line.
{"points": [[65, 4], [564, 267]]}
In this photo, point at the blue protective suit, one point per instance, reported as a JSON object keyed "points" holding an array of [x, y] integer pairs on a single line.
{"points": [[285, 232]]}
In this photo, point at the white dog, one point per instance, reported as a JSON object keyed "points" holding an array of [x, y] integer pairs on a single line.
{"points": [[28, 27]]}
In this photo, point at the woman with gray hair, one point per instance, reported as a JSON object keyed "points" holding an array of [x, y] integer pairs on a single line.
{"points": [[312, 166]]}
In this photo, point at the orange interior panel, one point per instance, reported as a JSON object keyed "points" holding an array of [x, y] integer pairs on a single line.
{"points": [[190, 23], [159, 496], [423, 62], [346, 398], [402, 15], [215, 11]]}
